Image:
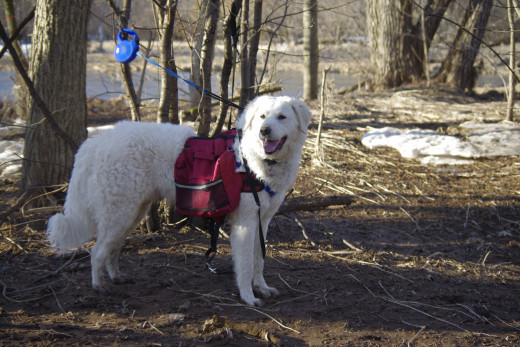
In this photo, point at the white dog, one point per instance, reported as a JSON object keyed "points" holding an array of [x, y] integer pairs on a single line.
{"points": [[118, 173]]}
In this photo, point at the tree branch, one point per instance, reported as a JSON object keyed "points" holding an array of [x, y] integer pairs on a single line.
{"points": [[15, 34]]}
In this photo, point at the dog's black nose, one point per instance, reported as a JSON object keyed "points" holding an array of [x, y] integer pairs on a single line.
{"points": [[265, 131]]}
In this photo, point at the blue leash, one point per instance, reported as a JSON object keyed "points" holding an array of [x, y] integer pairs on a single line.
{"points": [[126, 51]]}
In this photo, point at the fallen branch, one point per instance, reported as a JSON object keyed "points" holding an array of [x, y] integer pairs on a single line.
{"points": [[19, 203], [297, 204]]}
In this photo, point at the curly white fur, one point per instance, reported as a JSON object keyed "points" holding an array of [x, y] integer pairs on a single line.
{"points": [[118, 173]]}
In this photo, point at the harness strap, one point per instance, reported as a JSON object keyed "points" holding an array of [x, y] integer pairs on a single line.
{"points": [[257, 200], [212, 251]]}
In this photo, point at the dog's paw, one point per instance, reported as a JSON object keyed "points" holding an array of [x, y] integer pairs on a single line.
{"points": [[256, 303], [266, 292], [251, 300]]}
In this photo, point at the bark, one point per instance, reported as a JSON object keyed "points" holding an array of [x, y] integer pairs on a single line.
{"points": [[512, 62], [249, 48], [208, 49], [244, 38], [399, 46], [310, 49], [458, 69], [230, 44], [58, 70], [168, 101], [123, 16], [196, 52], [387, 23]]}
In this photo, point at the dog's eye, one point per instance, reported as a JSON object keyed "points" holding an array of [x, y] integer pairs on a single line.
{"points": [[281, 117], [262, 116]]}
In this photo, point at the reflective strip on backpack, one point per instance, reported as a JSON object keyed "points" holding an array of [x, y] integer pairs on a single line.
{"points": [[201, 186]]}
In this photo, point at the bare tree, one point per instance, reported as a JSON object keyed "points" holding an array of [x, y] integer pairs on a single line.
{"points": [[249, 40], [168, 101], [230, 39], [310, 49], [123, 18], [196, 52], [398, 44], [512, 61], [458, 68], [58, 70], [207, 53]]}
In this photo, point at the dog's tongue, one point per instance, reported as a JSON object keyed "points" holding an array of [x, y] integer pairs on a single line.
{"points": [[272, 146]]}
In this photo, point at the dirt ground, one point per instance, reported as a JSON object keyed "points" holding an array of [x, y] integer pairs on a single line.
{"points": [[424, 256]]}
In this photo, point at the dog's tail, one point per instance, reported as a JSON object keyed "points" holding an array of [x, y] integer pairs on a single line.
{"points": [[66, 232]]}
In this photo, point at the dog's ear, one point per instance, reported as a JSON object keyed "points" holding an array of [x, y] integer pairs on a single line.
{"points": [[303, 112], [246, 117]]}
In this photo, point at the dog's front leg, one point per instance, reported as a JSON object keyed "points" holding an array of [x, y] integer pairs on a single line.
{"points": [[242, 243], [259, 284]]}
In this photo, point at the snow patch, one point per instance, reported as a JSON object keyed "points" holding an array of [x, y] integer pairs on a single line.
{"points": [[430, 147]]}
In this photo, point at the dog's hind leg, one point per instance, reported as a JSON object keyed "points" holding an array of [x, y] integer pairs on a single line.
{"points": [[105, 255], [110, 239]]}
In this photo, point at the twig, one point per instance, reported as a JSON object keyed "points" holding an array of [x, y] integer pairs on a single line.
{"points": [[15, 243], [400, 303], [58, 270], [303, 230], [352, 246], [408, 214], [4, 290], [38, 210], [273, 319], [152, 326], [415, 336], [317, 154], [56, 297]]}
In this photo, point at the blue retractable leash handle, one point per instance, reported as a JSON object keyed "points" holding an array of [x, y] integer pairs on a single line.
{"points": [[127, 50]]}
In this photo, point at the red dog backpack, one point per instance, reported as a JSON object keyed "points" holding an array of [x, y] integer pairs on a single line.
{"points": [[206, 180]]}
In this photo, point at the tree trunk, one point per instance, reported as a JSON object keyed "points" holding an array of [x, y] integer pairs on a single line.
{"points": [[310, 49], [244, 43], [168, 100], [389, 28], [196, 52], [230, 38], [249, 48], [123, 16], [512, 62], [208, 49], [458, 70], [58, 70]]}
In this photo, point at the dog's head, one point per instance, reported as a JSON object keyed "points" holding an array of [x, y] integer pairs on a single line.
{"points": [[276, 122]]}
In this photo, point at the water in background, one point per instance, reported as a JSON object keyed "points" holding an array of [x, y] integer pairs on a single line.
{"points": [[105, 86]]}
